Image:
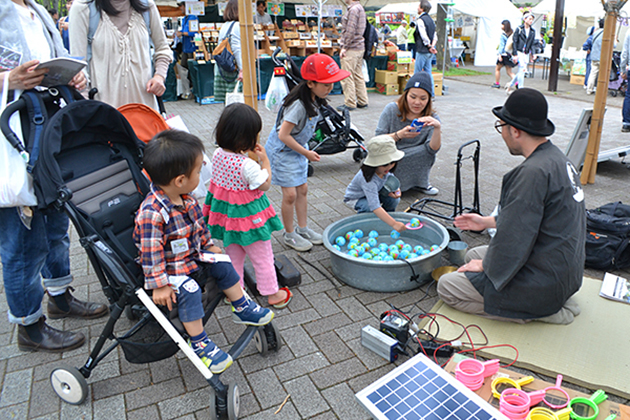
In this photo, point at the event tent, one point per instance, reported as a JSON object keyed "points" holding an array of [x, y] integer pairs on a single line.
{"points": [[586, 8], [489, 12]]}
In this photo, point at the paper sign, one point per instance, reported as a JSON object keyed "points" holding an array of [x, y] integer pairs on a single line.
{"points": [[403, 57], [197, 8], [275, 9]]}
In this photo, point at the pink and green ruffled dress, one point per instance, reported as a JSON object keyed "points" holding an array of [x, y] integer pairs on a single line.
{"points": [[236, 214]]}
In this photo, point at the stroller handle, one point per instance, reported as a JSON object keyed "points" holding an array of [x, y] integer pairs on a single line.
{"points": [[6, 128], [274, 56]]}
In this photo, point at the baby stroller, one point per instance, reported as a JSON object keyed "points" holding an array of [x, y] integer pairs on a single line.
{"points": [[90, 165], [334, 132], [616, 84]]}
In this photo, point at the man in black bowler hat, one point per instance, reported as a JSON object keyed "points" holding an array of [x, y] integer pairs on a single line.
{"points": [[535, 261]]}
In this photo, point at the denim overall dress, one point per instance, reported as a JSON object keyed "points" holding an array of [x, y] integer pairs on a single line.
{"points": [[288, 167]]}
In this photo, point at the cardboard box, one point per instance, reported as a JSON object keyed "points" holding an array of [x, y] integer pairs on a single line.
{"points": [[386, 77], [437, 76], [402, 81], [437, 87], [387, 89], [398, 67], [576, 79], [391, 52]]}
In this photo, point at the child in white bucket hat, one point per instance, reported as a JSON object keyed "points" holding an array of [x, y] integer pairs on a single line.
{"points": [[375, 188]]}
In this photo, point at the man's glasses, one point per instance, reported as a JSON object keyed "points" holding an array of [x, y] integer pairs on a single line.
{"points": [[499, 126]]}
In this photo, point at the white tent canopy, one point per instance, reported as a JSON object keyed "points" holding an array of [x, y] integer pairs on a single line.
{"points": [[587, 8], [489, 12]]}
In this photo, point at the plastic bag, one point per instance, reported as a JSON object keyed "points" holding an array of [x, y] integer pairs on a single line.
{"points": [[278, 89], [16, 185], [366, 74], [235, 97]]}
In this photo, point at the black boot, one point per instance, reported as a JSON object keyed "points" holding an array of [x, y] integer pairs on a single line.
{"points": [[66, 305], [42, 337]]}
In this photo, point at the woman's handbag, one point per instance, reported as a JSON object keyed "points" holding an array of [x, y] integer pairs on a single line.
{"points": [[235, 97], [223, 56], [16, 185]]}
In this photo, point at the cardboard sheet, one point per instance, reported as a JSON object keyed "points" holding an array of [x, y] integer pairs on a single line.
{"points": [[593, 351]]}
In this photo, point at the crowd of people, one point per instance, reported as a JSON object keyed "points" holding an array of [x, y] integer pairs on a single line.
{"points": [[548, 219]]}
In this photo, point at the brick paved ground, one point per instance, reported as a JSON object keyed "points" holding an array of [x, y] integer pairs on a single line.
{"points": [[322, 363]]}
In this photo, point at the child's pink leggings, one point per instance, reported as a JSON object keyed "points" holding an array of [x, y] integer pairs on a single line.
{"points": [[261, 256]]}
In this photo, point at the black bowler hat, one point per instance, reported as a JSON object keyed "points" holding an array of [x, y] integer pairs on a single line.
{"points": [[526, 109]]}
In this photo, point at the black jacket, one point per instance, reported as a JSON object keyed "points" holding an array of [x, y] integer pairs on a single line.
{"points": [[429, 25], [522, 43]]}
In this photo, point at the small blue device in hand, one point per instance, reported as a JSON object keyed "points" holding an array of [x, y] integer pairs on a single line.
{"points": [[417, 125]]}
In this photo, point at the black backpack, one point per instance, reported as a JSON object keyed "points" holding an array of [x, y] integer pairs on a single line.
{"points": [[607, 236], [370, 39]]}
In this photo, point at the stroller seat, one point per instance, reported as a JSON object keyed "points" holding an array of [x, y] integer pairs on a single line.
{"points": [[90, 166]]}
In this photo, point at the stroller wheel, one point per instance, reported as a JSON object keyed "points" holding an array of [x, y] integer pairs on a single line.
{"points": [[260, 340], [212, 409], [359, 154], [233, 402], [134, 312], [69, 384], [613, 93], [310, 170]]}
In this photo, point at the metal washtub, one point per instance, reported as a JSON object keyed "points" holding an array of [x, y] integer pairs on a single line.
{"points": [[386, 276]]}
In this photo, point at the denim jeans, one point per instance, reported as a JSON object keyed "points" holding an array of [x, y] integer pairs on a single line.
{"points": [[189, 301], [423, 63], [388, 203], [29, 255], [625, 112]]}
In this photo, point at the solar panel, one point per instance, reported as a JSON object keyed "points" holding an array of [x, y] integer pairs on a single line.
{"points": [[420, 389]]}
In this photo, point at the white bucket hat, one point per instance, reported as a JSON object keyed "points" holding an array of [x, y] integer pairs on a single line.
{"points": [[381, 151]]}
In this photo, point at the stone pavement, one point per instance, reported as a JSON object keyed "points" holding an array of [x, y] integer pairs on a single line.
{"points": [[322, 363]]}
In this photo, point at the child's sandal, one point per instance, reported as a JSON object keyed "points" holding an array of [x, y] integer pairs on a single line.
{"points": [[283, 304]]}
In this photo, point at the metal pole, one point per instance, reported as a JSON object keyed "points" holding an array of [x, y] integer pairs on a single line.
{"points": [[554, 65]]}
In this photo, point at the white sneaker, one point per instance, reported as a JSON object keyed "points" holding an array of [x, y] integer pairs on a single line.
{"points": [[297, 242], [430, 190], [311, 236]]}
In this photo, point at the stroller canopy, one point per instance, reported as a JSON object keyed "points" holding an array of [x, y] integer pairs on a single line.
{"points": [[87, 135]]}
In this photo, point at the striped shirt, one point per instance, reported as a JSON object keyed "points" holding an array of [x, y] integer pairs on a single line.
{"points": [[169, 237], [353, 25]]}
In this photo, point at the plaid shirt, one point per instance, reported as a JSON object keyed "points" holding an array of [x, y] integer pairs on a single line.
{"points": [[158, 223]]}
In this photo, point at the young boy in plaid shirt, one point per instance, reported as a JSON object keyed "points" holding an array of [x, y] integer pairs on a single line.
{"points": [[177, 254]]}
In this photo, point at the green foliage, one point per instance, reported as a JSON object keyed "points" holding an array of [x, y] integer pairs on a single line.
{"points": [[459, 71]]}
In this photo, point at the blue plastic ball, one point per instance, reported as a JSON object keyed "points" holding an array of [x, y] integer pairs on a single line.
{"points": [[377, 258], [383, 247], [415, 222], [407, 247], [404, 254], [395, 234], [349, 235], [341, 241], [372, 242], [353, 253], [366, 246], [388, 258], [358, 233], [383, 254], [375, 251], [434, 247], [418, 249], [366, 256], [400, 243], [337, 247], [413, 255], [392, 247], [394, 254], [425, 252], [373, 234], [360, 250]]}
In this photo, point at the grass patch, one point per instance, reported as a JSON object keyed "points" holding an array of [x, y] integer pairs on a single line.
{"points": [[459, 71]]}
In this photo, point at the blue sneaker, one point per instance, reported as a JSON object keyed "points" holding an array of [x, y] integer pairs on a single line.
{"points": [[252, 314], [212, 356]]}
